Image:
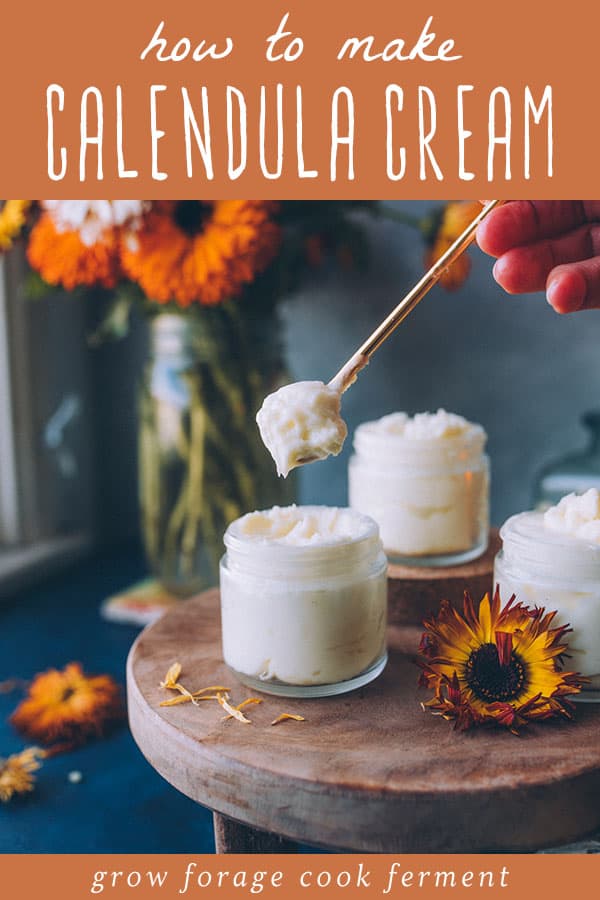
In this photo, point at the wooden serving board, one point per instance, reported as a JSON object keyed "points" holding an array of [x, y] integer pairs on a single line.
{"points": [[367, 771]]}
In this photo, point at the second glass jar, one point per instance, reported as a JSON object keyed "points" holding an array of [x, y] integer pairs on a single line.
{"points": [[429, 495]]}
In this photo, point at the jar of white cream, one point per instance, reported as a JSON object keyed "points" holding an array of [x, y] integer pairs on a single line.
{"points": [[425, 481], [552, 559], [304, 600]]}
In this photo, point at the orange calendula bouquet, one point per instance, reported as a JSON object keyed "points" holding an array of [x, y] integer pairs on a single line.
{"points": [[204, 251]]}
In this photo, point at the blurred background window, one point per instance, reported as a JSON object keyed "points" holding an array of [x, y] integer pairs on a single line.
{"points": [[46, 472]]}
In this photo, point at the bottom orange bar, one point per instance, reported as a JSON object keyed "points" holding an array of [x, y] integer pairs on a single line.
{"points": [[290, 876]]}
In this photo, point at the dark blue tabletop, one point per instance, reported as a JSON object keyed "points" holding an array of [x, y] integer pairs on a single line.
{"points": [[121, 804]]}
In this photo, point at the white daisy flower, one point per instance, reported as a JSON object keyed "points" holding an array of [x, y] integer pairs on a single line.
{"points": [[91, 218]]}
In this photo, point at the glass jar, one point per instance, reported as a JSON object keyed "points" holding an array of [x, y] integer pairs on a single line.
{"points": [[429, 496], [574, 473], [202, 463], [304, 613], [559, 572]]}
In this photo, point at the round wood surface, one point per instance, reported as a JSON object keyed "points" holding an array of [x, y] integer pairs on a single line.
{"points": [[367, 771]]}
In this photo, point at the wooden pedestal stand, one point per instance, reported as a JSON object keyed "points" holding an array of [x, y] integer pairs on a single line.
{"points": [[367, 771]]}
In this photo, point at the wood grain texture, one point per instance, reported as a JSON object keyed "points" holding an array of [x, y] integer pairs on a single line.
{"points": [[368, 771], [415, 592]]}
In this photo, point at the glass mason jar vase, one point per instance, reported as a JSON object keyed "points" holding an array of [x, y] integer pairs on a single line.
{"points": [[201, 461]]}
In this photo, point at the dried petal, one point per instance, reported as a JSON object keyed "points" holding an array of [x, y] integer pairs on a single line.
{"points": [[187, 698], [232, 710], [283, 716], [184, 691], [175, 701], [172, 684], [504, 647], [214, 689], [172, 676], [248, 702]]}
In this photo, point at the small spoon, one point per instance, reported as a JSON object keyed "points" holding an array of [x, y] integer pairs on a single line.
{"points": [[350, 370]]}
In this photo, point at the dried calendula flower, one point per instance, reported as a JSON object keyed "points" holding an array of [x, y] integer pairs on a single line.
{"points": [[16, 772], [496, 664], [284, 716], [68, 707], [248, 702], [233, 711]]}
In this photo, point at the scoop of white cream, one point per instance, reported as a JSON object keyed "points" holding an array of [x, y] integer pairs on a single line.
{"points": [[301, 423], [577, 515]]}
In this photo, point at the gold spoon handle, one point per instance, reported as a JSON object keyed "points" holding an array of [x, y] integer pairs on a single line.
{"points": [[349, 371]]}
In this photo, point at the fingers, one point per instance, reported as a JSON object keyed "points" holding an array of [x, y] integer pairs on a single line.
{"points": [[575, 286], [547, 243], [527, 221], [525, 269]]}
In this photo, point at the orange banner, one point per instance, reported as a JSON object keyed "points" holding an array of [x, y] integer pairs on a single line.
{"points": [[300, 99], [300, 877]]}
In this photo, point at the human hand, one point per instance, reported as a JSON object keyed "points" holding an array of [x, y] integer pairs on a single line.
{"points": [[547, 244]]}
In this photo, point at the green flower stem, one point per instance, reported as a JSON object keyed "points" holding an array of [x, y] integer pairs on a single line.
{"points": [[174, 526], [195, 484], [149, 480]]}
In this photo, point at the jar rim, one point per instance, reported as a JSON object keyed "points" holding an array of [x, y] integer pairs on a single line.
{"points": [[345, 553], [525, 538], [475, 434], [456, 453], [366, 527]]}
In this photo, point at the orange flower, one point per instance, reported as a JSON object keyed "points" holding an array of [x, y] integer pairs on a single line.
{"points": [[16, 772], [68, 707], [200, 251], [496, 666], [451, 222], [62, 258]]}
